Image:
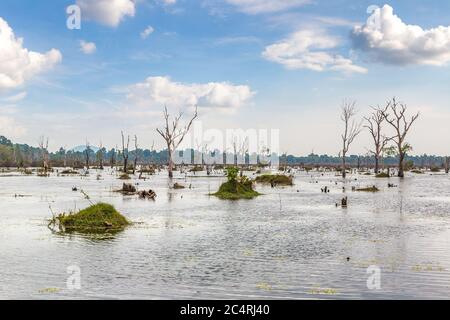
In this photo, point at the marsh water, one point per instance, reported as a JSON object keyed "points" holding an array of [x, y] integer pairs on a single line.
{"points": [[289, 243]]}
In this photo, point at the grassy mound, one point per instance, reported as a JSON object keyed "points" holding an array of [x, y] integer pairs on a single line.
{"points": [[234, 190], [275, 179], [417, 171], [368, 189], [382, 175], [101, 217], [124, 176]]}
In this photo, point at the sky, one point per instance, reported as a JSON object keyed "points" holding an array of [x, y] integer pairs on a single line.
{"points": [[249, 64]]}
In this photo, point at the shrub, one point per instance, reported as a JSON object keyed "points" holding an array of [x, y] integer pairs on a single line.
{"points": [[96, 218], [275, 179]]}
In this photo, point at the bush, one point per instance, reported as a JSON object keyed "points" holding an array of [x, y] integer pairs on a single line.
{"points": [[275, 179], [382, 175], [96, 218], [236, 188], [368, 189]]}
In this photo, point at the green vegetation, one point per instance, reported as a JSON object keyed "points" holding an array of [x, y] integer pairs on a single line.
{"points": [[178, 186], [417, 171], [435, 169], [101, 217], [368, 189], [382, 175], [236, 187], [275, 179], [124, 176]]}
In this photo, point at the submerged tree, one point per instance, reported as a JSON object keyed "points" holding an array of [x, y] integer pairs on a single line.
{"points": [[43, 146], [174, 135], [351, 130], [87, 152], [398, 120], [374, 125], [447, 164], [135, 153], [125, 155], [100, 154]]}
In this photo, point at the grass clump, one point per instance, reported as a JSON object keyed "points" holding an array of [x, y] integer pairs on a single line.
{"points": [[124, 176], [236, 187], [100, 217], [275, 179], [368, 189], [417, 171], [382, 175]]}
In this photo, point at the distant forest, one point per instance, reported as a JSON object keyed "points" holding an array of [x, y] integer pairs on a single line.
{"points": [[23, 155]]}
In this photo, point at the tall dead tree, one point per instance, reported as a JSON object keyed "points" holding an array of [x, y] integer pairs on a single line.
{"points": [[125, 155], [447, 164], [87, 152], [174, 135], [113, 157], [351, 130], [374, 125], [397, 119], [43, 146], [135, 153], [100, 156]]}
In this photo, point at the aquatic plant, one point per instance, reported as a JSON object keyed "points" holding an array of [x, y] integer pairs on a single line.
{"points": [[275, 179], [368, 189], [236, 187], [382, 175], [100, 217]]}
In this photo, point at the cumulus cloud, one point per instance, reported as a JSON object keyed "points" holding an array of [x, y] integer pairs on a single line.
{"points": [[159, 91], [18, 64], [266, 6], [107, 12], [386, 38], [309, 49], [148, 31], [87, 47], [10, 128]]}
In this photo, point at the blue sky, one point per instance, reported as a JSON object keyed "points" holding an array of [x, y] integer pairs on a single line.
{"points": [[247, 64]]}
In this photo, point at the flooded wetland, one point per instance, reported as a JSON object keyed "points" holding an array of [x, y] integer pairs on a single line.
{"points": [[292, 242]]}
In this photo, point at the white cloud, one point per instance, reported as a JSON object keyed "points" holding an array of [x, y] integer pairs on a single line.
{"points": [[107, 12], [87, 47], [266, 6], [308, 49], [148, 31], [10, 128], [386, 38], [16, 98], [159, 91], [18, 64], [169, 2]]}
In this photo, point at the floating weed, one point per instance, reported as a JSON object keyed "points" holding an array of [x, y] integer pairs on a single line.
{"points": [[248, 252], [427, 268], [264, 286], [50, 290], [323, 291]]}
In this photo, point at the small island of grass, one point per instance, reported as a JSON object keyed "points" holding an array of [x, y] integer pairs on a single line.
{"points": [[368, 189], [100, 217], [382, 175], [275, 179], [236, 187]]}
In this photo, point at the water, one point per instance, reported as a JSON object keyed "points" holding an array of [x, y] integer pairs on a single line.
{"points": [[290, 243]]}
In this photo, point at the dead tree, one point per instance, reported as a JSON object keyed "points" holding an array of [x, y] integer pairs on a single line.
{"points": [[135, 153], [401, 126], [351, 130], [173, 135], [374, 125], [100, 156], [113, 157], [447, 164], [125, 154], [43, 146], [87, 151]]}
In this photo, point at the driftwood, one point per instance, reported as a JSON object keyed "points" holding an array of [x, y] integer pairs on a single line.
{"points": [[150, 194]]}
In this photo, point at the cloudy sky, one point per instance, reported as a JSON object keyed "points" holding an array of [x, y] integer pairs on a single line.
{"points": [[282, 64]]}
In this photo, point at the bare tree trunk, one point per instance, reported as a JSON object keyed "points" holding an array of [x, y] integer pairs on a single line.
{"points": [[447, 164], [344, 167], [377, 166], [401, 159]]}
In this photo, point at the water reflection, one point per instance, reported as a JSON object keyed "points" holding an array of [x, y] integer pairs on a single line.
{"points": [[186, 244]]}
